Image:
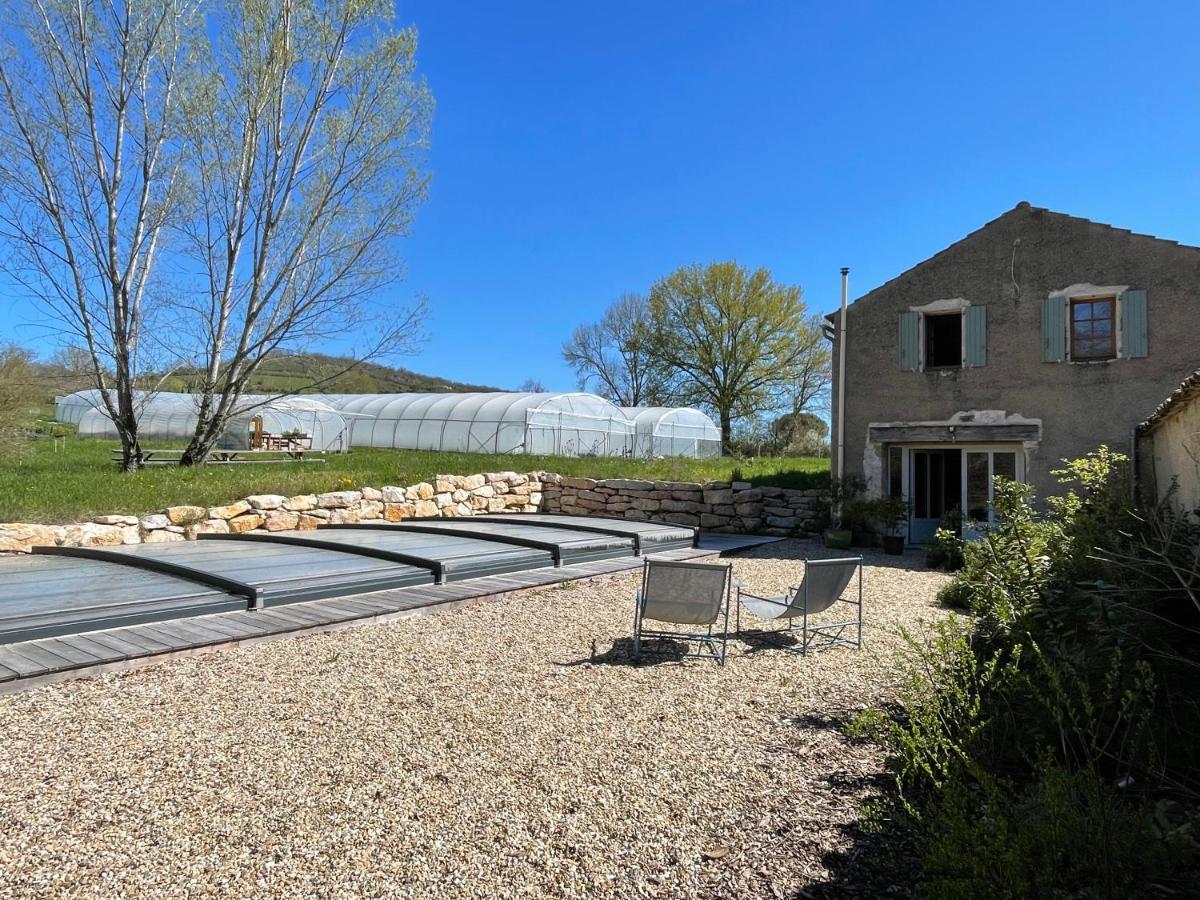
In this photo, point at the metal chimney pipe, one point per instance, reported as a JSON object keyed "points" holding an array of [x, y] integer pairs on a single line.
{"points": [[841, 399]]}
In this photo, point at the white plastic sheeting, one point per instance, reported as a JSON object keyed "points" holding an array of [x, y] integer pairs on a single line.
{"points": [[72, 407], [673, 431], [569, 424], [573, 424], [330, 430], [170, 416]]}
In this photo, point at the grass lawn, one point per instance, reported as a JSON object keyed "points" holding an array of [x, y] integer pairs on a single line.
{"points": [[40, 485]]}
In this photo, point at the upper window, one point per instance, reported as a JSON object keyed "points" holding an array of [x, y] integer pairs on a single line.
{"points": [[1093, 328], [1090, 323], [943, 335], [943, 341]]}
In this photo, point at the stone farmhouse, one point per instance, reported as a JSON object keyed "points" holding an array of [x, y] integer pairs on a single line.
{"points": [[1035, 339]]}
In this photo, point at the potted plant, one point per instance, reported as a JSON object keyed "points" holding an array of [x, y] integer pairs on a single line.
{"points": [[891, 512], [842, 493], [945, 552], [860, 518]]}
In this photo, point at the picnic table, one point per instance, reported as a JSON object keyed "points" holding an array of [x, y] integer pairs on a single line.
{"points": [[232, 457]]}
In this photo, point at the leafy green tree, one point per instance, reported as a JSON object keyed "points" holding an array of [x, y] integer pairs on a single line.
{"points": [[734, 338], [800, 433], [19, 393]]}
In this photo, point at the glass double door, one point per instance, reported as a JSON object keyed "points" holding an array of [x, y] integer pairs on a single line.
{"points": [[946, 484]]}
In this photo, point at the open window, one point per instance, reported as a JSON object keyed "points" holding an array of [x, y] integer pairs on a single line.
{"points": [[944, 341], [945, 334]]}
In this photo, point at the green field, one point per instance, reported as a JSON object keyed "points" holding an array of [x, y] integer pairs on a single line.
{"points": [[38, 484]]}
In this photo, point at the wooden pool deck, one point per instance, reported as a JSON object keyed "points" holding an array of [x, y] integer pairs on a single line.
{"points": [[30, 664]]}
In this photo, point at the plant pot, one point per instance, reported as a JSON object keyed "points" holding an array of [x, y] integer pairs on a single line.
{"points": [[838, 538], [863, 537], [893, 544]]}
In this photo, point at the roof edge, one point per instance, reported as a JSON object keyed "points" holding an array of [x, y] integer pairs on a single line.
{"points": [[1022, 206], [1188, 389]]}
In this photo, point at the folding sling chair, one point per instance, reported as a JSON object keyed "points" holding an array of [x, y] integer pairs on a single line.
{"points": [[684, 593], [825, 580]]}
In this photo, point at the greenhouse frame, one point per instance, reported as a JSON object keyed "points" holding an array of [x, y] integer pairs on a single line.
{"points": [[562, 424], [172, 416], [569, 424], [673, 431]]}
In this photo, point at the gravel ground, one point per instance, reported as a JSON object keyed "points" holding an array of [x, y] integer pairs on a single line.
{"points": [[486, 753]]}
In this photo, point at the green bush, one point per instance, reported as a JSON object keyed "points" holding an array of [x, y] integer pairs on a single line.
{"points": [[945, 552], [1027, 749], [955, 595]]}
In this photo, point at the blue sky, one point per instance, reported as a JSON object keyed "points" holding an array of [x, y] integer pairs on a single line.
{"points": [[583, 150]]}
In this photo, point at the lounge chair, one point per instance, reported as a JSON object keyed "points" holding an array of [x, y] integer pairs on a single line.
{"points": [[684, 593], [825, 580]]}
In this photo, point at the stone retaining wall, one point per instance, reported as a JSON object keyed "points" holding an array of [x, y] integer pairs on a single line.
{"points": [[735, 506], [719, 506]]}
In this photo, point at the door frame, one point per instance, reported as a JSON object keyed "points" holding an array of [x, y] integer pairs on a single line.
{"points": [[964, 447]]}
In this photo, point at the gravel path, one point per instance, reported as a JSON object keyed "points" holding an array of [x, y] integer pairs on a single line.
{"points": [[484, 753]]}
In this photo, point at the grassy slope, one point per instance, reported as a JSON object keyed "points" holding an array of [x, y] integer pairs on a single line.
{"points": [[298, 373], [39, 485]]}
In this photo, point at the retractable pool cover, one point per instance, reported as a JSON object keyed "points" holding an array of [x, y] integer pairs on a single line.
{"points": [[44, 596], [446, 557], [647, 536], [58, 591], [565, 546], [269, 574]]}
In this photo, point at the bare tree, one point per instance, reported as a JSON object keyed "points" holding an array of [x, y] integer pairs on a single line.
{"points": [[531, 386], [90, 173], [306, 124], [179, 201], [807, 390], [613, 356]]}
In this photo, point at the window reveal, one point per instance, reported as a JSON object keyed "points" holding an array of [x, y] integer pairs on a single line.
{"points": [[943, 341]]}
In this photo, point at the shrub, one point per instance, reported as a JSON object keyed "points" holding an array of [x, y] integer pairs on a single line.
{"points": [[945, 552], [843, 495], [955, 595], [1027, 749]]}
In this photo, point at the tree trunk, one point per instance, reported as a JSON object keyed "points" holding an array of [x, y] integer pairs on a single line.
{"points": [[127, 429], [197, 451], [208, 430], [726, 430]]}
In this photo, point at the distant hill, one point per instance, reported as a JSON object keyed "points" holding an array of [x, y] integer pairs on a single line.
{"points": [[317, 373]]}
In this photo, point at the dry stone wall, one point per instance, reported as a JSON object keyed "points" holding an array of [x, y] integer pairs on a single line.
{"points": [[735, 506], [717, 506]]}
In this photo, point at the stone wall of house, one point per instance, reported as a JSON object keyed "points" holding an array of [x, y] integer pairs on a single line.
{"points": [[1009, 267], [719, 506]]}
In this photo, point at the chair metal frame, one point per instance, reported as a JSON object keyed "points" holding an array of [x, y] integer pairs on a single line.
{"points": [[815, 637], [715, 644]]}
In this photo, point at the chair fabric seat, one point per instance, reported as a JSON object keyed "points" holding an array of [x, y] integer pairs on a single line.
{"points": [[679, 612], [684, 593], [825, 580], [767, 607]]}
